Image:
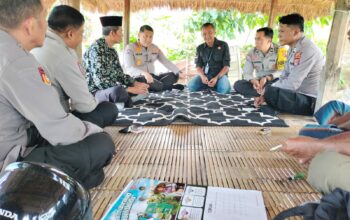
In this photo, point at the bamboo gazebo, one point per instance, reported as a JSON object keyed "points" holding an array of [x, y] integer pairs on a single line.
{"points": [[235, 157]]}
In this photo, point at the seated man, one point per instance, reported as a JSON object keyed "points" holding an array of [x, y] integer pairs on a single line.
{"points": [[139, 59], [63, 68], [296, 90], [333, 118], [34, 126], [263, 59], [104, 73], [328, 159], [212, 62]]}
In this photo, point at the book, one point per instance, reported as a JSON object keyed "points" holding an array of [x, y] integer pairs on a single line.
{"points": [[144, 199]]}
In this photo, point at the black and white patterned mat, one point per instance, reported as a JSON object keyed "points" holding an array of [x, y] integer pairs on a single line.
{"points": [[201, 108]]}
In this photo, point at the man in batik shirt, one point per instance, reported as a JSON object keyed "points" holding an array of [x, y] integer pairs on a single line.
{"points": [[104, 74]]}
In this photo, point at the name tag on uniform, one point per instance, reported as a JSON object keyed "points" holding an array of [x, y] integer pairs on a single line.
{"points": [[206, 69], [297, 58]]}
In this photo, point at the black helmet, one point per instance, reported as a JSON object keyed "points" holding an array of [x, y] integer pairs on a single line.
{"points": [[39, 191]]}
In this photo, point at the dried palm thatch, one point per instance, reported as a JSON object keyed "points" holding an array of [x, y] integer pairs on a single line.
{"points": [[308, 8]]}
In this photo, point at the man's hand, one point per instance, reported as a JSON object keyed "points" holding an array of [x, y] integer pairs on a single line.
{"points": [[141, 85], [148, 77], [255, 83], [302, 148], [213, 82], [137, 90], [259, 101], [204, 79], [262, 83]]}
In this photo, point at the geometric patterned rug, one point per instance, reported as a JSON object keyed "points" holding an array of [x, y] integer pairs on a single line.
{"points": [[200, 108]]}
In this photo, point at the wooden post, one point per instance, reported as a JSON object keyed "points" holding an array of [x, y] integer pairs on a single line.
{"points": [[75, 4], [335, 49], [126, 22], [272, 15]]}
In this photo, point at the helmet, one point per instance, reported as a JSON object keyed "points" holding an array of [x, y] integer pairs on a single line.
{"points": [[31, 190]]}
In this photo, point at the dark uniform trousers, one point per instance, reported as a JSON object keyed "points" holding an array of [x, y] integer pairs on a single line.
{"points": [[245, 88], [161, 82], [83, 160], [103, 115], [114, 94], [284, 100]]}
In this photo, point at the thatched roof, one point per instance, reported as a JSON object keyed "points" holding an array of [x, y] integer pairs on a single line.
{"points": [[308, 8]]}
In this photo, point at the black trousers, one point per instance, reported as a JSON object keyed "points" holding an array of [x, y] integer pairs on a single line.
{"points": [[114, 94], [245, 88], [284, 100], [162, 82], [83, 160], [103, 115]]}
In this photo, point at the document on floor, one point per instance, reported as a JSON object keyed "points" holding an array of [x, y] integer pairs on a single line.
{"points": [[144, 199], [224, 203]]}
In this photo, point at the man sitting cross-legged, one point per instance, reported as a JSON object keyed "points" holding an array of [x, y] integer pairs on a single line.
{"points": [[139, 60], [296, 90], [104, 73], [260, 66], [212, 62], [61, 63], [34, 126]]}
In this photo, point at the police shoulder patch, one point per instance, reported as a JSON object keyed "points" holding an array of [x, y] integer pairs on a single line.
{"points": [[44, 77]]}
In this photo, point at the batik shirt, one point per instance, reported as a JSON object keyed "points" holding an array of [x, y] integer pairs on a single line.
{"points": [[103, 69]]}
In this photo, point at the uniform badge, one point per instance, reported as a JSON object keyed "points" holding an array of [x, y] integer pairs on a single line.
{"points": [[129, 51], [297, 58], [255, 57], [44, 77], [155, 51]]}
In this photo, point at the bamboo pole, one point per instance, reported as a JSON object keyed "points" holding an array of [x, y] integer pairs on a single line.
{"points": [[336, 44], [272, 14], [126, 22]]}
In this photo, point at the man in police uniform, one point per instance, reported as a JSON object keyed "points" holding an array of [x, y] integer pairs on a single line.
{"points": [[296, 90], [63, 67], [139, 59], [328, 158], [263, 59], [212, 62], [31, 112], [105, 76]]}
